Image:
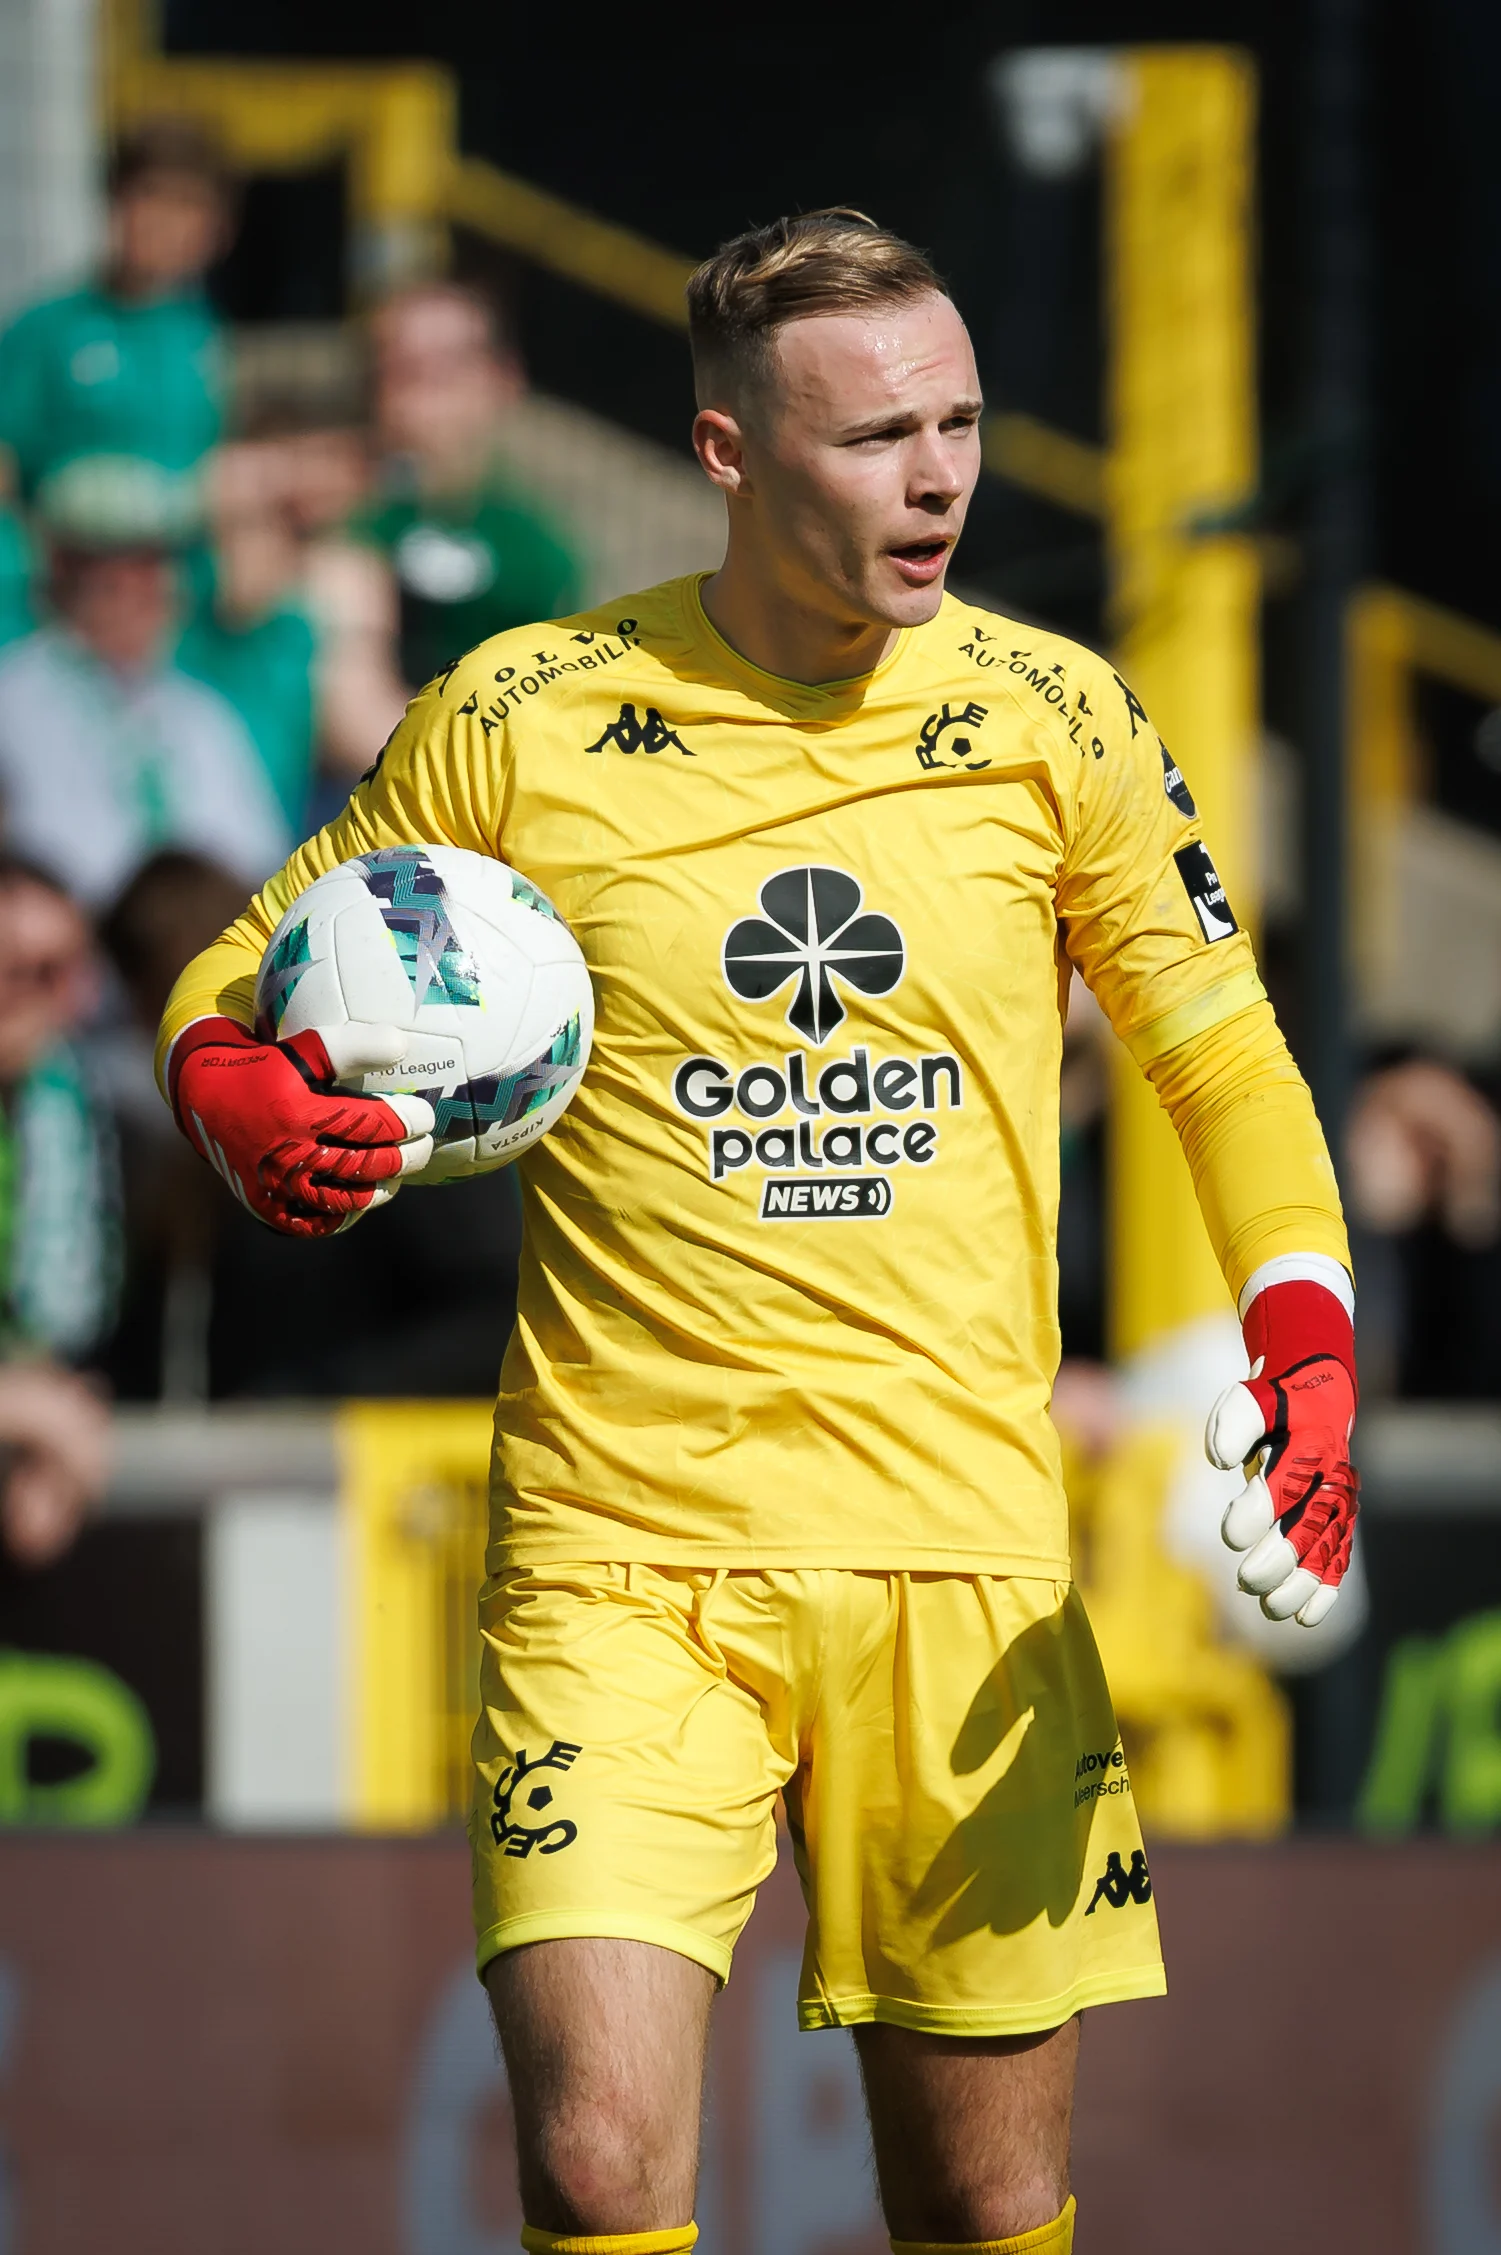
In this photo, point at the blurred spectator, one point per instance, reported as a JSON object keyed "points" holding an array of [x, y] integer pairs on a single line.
{"points": [[252, 640], [470, 554], [58, 1221], [57, 1186], [1423, 1150], [1423, 1144], [108, 750], [174, 905], [54, 1431], [17, 572], [297, 627], [130, 363]]}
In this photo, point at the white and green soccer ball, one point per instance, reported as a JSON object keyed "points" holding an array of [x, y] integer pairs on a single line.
{"points": [[471, 966]]}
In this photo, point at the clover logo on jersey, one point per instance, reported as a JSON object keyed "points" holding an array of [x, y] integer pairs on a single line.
{"points": [[811, 931]]}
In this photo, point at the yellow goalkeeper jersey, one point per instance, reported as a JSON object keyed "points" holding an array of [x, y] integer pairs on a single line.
{"points": [[788, 1293]]}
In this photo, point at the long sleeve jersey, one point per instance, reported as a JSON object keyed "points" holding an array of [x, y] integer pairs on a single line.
{"points": [[788, 1292]]}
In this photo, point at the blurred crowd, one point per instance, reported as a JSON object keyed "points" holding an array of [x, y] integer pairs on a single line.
{"points": [[210, 620]]}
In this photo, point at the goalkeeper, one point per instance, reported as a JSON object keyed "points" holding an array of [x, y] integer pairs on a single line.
{"points": [[776, 1498]]}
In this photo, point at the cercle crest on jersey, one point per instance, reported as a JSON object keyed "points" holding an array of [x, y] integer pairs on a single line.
{"points": [[811, 931]]}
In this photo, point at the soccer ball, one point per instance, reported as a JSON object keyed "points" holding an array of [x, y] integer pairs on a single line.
{"points": [[474, 967]]}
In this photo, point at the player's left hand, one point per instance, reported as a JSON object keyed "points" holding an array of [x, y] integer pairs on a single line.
{"points": [[1289, 1424]]}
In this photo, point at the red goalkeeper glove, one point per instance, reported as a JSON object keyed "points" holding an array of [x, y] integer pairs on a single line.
{"points": [[271, 1119], [1289, 1424]]}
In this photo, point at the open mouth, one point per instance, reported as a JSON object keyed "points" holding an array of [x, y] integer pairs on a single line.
{"points": [[920, 561]]}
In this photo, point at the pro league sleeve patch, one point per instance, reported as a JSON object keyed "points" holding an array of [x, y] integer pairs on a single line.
{"points": [[1201, 882]]}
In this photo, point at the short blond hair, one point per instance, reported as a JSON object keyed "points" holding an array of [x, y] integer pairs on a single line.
{"points": [[834, 261]]}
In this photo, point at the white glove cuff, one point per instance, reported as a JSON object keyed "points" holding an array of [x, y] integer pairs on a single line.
{"points": [[1301, 1268]]}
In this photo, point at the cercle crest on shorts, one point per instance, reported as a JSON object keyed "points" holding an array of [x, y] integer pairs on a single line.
{"points": [[546, 1831], [812, 931]]}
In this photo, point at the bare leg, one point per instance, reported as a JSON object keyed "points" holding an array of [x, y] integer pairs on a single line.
{"points": [[970, 2133], [604, 2047]]}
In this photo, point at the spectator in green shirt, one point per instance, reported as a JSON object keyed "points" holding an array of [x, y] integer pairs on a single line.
{"points": [[17, 572], [59, 1221], [130, 364], [471, 554], [249, 635]]}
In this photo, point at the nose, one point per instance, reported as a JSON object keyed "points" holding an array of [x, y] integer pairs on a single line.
{"points": [[936, 476]]}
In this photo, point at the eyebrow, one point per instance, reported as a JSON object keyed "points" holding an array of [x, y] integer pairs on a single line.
{"points": [[906, 419]]}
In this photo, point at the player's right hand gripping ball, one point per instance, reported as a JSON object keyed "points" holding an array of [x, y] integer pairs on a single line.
{"points": [[294, 1148], [1289, 1424]]}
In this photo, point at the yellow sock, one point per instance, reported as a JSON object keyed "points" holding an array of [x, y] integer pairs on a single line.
{"points": [[1056, 2238], [674, 2242]]}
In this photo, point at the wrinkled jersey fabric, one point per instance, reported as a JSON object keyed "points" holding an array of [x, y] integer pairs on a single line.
{"points": [[788, 1294]]}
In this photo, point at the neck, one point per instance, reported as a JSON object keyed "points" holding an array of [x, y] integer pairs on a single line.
{"points": [[452, 472], [126, 668], [139, 289], [766, 623]]}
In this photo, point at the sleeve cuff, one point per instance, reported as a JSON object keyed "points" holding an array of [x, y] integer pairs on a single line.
{"points": [[1241, 991], [1300, 1268]]}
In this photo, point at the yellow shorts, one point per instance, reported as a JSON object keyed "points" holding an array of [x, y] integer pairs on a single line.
{"points": [[960, 1809]]}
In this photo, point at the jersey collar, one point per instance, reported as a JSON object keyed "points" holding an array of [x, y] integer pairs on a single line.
{"points": [[824, 700]]}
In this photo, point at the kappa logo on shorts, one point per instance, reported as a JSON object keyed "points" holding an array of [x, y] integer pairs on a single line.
{"points": [[1117, 1886], [516, 1838]]}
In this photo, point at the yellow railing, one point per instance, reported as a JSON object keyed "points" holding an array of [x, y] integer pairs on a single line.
{"points": [[413, 1485], [1393, 639], [1049, 463], [596, 254], [395, 124]]}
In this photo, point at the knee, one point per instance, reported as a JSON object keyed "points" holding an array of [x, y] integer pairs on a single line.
{"points": [[605, 2163]]}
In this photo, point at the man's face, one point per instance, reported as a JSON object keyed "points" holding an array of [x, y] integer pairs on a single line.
{"points": [[166, 229], [121, 606], [440, 384], [861, 460], [46, 973]]}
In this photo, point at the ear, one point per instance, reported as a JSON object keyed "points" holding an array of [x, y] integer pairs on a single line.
{"points": [[719, 443], [509, 380]]}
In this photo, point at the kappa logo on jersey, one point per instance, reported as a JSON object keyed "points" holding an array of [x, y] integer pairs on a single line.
{"points": [[1201, 882], [1117, 1886], [646, 733], [512, 1835], [932, 750], [811, 931]]}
